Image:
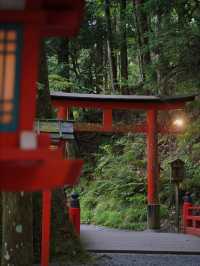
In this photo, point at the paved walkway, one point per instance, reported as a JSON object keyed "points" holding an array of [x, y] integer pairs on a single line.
{"points": [[101, 239]]}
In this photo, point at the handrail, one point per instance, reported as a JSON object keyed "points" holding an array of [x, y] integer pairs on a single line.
{"points": [[56, 127], [191, 219]]}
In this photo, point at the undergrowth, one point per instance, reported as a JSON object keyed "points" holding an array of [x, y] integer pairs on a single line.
{"points": [[116, 195]]}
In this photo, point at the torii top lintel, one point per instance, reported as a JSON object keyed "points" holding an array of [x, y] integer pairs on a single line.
{"points": [[141, 102], [107, 103]]}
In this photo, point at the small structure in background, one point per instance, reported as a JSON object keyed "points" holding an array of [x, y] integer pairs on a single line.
{"points": [[177, 176]]}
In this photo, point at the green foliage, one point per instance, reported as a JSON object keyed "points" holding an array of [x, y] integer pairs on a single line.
{"points": [[59, 83], [116, 196]]}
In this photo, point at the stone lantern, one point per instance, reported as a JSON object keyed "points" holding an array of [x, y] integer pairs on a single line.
{"points": [[177, 170], [177, 176]]}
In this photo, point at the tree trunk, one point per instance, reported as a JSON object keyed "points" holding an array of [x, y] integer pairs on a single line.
{"points": [[110, 47], [99, 66], [143, 39], [44, 109], [17, 237], [63, 57], [123, 48]]}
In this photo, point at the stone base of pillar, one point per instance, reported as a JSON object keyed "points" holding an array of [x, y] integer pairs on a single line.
{"points": [[153, 216]]}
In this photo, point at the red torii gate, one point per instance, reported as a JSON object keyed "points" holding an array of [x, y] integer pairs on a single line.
{"points": [[107, 103], [26, 162]]}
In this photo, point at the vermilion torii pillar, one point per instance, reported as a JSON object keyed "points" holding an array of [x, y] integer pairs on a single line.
{"points": [[152, 170], [151, 105]]}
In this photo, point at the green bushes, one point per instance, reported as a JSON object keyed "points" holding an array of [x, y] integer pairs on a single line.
{"points": [[116, 196]]}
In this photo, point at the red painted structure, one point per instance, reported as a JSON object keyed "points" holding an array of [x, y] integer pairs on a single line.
{"points": [[191, 219], [30, 168], [107, 103], [74, 216]]}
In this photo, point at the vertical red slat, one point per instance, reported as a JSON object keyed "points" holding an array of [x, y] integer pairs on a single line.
{"points": [[46, 219], [62, 113], [107, 119]]}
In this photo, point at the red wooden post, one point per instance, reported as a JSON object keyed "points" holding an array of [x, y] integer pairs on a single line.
{"points": [[62, 113], [46, 219], [152, 170], [74, 212], [74, 216], [107, 119], [186, 205]]}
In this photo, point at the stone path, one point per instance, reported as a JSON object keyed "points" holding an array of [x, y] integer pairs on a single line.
{"points": [[105, 240]]}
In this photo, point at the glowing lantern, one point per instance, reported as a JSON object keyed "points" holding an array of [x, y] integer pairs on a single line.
{"points": [[10, 49]]}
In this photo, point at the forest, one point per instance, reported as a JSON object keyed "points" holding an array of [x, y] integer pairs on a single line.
{"points": [[136, 48]]}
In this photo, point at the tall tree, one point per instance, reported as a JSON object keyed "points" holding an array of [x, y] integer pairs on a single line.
{"points": [[143, 32], [43, 102], [123, 47], [63, 57], [110, 47]]}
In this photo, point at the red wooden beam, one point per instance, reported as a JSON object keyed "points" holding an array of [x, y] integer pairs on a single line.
{"points": [[121, 128], [62, 23], [15, 155], [23, 16], [38, 175], [50, 23], [63, 17], [55, 4], [116, 105]]}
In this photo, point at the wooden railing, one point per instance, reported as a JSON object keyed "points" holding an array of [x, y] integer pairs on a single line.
{"points": [[191, 219], [56, 128]]}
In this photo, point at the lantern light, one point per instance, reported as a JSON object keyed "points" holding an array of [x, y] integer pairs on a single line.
{"points": [[12, 4], [10, 40], [179, 122]]}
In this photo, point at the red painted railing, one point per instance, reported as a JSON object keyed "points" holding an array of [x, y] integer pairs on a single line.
{"points": [[191, 219]]}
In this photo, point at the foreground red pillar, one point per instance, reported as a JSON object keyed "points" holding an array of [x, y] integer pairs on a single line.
{"points": [[46, 222], [152, 171]]}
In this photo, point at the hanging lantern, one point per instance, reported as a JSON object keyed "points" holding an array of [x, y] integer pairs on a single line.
{"points": [[10, 50]]}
